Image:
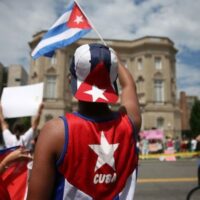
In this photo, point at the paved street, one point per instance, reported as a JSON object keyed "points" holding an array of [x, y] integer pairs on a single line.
{"points": [[159, 180]]}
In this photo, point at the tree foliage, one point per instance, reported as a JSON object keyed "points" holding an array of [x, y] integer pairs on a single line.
{"points": [[195, 118]]}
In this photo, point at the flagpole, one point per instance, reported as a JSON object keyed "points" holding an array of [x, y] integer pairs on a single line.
{"points": [[91, 23]]}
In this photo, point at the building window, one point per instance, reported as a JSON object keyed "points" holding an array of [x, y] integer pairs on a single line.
{"points": [[158, 63], [53, 60], [17, 79], [159, 90], [160, 123], [140, 64], [50, 87], [140, 84]]}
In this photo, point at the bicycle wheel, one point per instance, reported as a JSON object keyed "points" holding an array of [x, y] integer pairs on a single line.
{"points": [[194, 194]]}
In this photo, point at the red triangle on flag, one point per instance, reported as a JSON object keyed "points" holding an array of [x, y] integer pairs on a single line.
{"points": [[77, 19], [109, 95]]}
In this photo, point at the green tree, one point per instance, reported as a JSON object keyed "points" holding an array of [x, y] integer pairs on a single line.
{"points": [[195, 118]]}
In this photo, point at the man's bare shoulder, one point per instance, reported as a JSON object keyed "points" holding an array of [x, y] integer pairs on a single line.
{"points": [[53, 126], [52, 136], [53, 130]]}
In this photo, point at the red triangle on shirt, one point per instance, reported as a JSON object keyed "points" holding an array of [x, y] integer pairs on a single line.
{"points": [[77, 19]]}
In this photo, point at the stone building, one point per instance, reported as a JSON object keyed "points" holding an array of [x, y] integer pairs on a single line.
{"points": [[14, 75], [186, 103], [17, 76], [152, 62]]}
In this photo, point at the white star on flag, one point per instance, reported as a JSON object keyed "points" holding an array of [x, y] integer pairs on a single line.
{"points": [[96, 93], [105, 152], [78, 19]]}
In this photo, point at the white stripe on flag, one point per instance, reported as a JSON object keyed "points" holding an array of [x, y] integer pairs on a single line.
{"points": [[63, 36]]}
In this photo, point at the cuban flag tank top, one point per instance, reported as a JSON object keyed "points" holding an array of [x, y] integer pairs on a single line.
{"points": [[99, 160]]}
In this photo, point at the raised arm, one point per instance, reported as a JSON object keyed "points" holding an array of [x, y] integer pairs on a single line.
{"points": [[36, 119], [3, 123], [15, 156], [129, 100]]}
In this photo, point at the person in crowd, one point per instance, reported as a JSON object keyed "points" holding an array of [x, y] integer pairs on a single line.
{"points": [[19, 137], [14, 156], [198, 149], [198, 143], [170, 144], [177, 144], [184, 144], [91, 153], [193, 144], [145, 147], [160, 146]]}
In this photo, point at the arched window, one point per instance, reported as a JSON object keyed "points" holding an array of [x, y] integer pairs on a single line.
{"points": [[50, 83], [140, 64], [158, 63], [50, 89], [159, 90], [53, 60], [140, 84]]}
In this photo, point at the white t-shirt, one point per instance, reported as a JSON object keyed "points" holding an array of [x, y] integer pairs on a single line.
{"points": [[193, 144], [11, 140]]}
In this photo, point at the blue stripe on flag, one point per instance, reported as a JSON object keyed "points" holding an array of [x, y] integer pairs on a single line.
{"points": [[60, 44], [2, 151]]}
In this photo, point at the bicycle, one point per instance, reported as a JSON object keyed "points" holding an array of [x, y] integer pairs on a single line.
{"points": [[194, 194]]}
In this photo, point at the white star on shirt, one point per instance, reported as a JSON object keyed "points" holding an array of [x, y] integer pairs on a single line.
{"points": [[78, 19], [96, 93], [105, 152]]}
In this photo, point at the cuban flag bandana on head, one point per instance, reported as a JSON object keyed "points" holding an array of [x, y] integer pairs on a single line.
{"points": [[70, 27], [94, 74]]}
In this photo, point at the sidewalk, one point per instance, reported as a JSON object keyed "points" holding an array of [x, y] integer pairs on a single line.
{"points": [[174, 155]]}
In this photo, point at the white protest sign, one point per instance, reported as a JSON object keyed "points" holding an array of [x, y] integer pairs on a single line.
{"points": [[21, 101]]}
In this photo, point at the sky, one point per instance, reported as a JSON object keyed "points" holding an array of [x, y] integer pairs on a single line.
{"points": [[114, 19]]}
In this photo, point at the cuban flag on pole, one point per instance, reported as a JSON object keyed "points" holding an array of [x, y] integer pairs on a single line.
{"points": [[70, 27]]}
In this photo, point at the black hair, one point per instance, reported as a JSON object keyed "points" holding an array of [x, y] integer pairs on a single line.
{"points": [[18, 128]]}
